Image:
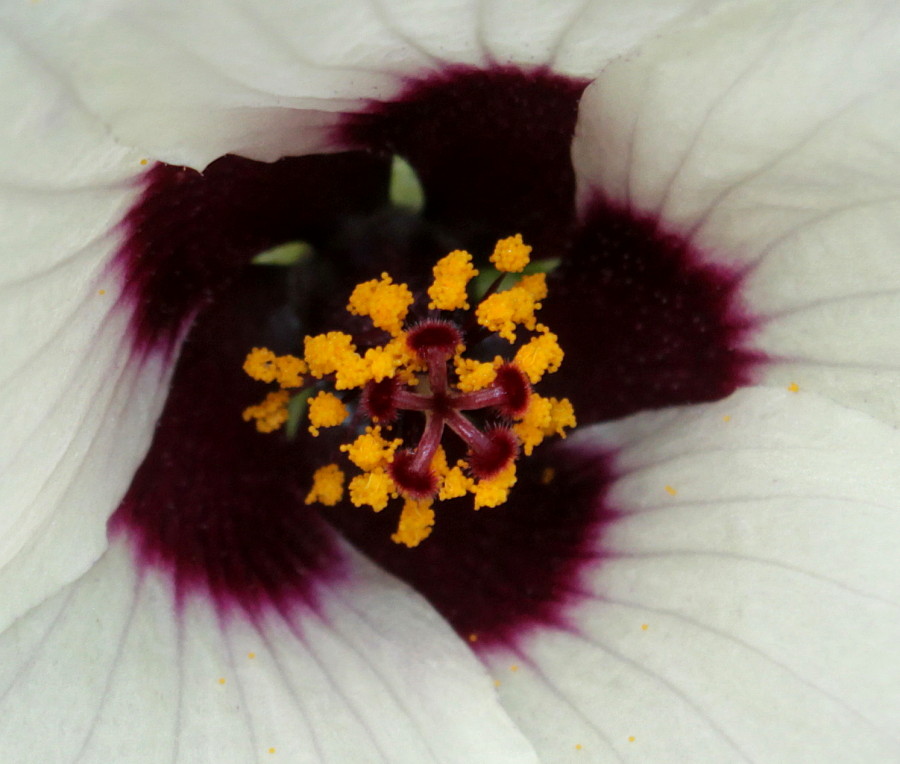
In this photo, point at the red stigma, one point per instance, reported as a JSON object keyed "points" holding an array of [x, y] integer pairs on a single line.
{"points": [[434, 337]]}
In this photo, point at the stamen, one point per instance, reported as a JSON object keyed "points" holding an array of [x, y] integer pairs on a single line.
{"points": [[411, 373]]}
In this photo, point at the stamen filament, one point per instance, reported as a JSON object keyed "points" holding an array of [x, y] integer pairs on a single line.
{"points": [[428, 443], [480, 399], [474, 438]]}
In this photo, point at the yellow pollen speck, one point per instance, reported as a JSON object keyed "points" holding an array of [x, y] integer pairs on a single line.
{"points": [[271, 413], [514, 668], [101, 291], [221, 680], [497, 683], [547, 475], [325, 410], [251, 656], [271, 750], [578, 746], [383, 301], [328, 486], [794, 387], [726, 418], [645, 626], [416, 522], [451, 276], [145, 162], [511, 255], [631, 738], [671, 491], [473, 637]]}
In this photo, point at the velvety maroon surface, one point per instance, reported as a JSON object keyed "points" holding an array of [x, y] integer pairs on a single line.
{"points": [[642, 322], [191, 234], [217, 504], [491, 148]]}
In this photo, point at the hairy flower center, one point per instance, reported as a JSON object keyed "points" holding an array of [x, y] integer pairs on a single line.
{"points": [[427, 369]]}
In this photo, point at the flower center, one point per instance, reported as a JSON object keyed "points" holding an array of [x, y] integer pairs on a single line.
{"points": [[437, 369]]}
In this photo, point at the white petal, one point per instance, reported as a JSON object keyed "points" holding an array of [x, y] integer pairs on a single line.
{"points": [[105, 671], [768, 584], [770, 136], [76, 406], [189, 82]]}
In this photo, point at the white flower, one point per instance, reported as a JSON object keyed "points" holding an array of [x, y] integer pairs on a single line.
{"points": [[754, 538]]}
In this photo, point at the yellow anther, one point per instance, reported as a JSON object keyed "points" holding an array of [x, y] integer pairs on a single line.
{"points": [[327, 487], [451, 276], [416, 522], [543, 417], [324, 353], [474, 375], [260, 365], [532, 428], [495, 491], [325, 410], [562, 414], [372, 489], [289, 371], [503, 311], [383, 301], [541, 355], [455, 484], [371, 450], [381, 362], [271, 413], [535, 284], [334, 357], [335, 353], [511, 255]]}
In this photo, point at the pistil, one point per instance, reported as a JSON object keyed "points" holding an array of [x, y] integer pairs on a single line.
{"points": [[410, 375]]}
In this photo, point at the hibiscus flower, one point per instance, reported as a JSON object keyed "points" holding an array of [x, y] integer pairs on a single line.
{"points": [[705, 570]]}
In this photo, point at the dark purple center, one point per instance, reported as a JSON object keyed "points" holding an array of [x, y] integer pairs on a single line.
{"points": [[643, 325]]}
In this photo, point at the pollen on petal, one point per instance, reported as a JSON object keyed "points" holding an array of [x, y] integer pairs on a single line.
{"points": [[385, 302], [327, 487], [451, 277], [271, 414], [325, 410], [511, 255], [416, 523], [372, 489]]}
